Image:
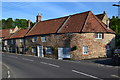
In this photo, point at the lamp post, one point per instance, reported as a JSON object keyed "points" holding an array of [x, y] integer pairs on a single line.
{"points": [[118, 5]]}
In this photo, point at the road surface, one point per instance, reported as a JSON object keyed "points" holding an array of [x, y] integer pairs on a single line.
{"points": [[22, 66]]}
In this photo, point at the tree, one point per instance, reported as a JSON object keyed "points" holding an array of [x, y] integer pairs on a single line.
{"points": [[115, 26], [10, 23]]}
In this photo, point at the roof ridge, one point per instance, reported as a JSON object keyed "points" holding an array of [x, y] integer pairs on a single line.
{"points": [[66, 16]]}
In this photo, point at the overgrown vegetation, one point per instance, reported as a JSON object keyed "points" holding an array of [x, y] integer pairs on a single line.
{"points": [[10, 23], [74, 48], [115, 26]]}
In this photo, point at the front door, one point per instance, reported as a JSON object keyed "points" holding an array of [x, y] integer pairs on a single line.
{"points": [[60, 53], [40, 51]]}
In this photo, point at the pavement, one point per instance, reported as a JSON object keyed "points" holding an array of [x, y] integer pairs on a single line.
{"points": [[23, 66]]}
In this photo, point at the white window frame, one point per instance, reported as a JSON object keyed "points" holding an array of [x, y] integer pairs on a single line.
{"points": [[33, 50], [43, 39], [5, 42], [99, 35], [85, 52], [21, 49], [47, 50], [21, 40], [34, 39], [4, 48]]}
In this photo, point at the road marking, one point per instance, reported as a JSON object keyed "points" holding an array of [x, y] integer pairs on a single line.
{"points": [[19, 54], [27, 59], [43, 62], [115, 76], [53, 65], [86, 74], [8, 74], [6, 66], [50, 64]]}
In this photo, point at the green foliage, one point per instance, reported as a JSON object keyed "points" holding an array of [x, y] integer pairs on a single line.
{"points": [[115, 26], [74, 48], [10, 23]]}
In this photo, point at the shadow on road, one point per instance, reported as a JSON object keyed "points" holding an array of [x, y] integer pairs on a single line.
{"points": [[107, 61]]}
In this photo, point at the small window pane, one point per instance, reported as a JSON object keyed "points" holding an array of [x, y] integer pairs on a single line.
{"points": [[43, 39], [34, 39], [98, 35], [33, 50], [48, 50], [21, 40], [5, 42], [85, 50]]}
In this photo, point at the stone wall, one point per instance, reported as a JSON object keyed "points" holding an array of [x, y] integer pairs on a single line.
{"points": [[96, 47]]}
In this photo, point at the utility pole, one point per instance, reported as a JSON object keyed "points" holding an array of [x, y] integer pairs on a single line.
{"points": [[118, 5]]}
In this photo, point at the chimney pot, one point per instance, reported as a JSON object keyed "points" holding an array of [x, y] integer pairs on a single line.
{"points": [[38, 18], [28, 23]]}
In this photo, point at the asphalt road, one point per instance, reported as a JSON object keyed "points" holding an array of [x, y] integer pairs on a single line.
{"points": [[33, 67]]}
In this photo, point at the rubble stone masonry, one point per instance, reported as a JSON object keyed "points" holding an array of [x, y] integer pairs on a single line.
{"points": [[96, 47]]}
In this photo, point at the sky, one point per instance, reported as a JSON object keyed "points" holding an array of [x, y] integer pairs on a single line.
{"points": [[51, 10]]}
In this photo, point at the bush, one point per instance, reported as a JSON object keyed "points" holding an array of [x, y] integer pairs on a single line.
{"points": [[74, 48]]}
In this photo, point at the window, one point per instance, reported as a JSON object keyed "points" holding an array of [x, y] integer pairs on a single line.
{"points": [[43, 39], [5, 42], [4, 48], [12, 41], [21, 40], [21, 49], [63, 53], [85, 50], [34, 50], [34, 39], [48, 50], [99, 36]]}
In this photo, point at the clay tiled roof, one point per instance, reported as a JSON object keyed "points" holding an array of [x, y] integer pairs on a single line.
{"points": [[8, 37], [100, 16], [75, 23], [19, 34], [46, 27], [82, 22], [4, 32]]}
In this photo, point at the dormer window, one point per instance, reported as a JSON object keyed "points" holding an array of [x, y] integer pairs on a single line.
{"points": [[34, 39], [99, 35]]}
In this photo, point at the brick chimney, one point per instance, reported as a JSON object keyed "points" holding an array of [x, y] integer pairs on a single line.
{"points": [[28, 23], [38, 18]]}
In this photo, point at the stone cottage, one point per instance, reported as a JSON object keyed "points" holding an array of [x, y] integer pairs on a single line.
{"points": [[78, 36], [5, 34]]}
